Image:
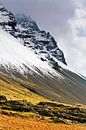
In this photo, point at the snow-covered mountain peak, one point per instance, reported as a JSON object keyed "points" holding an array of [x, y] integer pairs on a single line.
{"points": [[27, 32], [18, 58]]}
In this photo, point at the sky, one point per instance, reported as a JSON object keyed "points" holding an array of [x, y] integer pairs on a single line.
{"points": [[64, 19]]}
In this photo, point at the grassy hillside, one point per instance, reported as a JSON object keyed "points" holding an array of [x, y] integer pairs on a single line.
{"points": [[14, 89], [20, 98]]}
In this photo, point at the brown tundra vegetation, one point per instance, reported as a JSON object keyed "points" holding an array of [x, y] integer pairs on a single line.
{"points": [[18, 123]]}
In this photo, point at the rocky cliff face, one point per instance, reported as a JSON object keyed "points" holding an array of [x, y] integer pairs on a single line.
{"points": [[28, 33]]}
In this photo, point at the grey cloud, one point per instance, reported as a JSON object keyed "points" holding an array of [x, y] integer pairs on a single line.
{"points": [[48, 13]]}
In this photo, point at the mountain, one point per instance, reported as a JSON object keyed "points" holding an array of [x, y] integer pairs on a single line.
{"points": [[30, 58], [16, 57], [28, 33]]}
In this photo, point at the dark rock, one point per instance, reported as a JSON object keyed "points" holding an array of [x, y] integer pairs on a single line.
{"points": [[51, 104], [19, 102], [3, 98]]}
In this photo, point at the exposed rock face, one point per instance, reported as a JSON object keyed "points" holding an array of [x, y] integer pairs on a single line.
{"points": [[28, 33], [26, 22], [7, 20]]}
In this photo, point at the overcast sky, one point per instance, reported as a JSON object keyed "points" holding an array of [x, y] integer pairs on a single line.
{"points": [[64, 19]]}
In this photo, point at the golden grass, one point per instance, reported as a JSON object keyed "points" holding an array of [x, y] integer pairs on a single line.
{"points": [[14, 91], [17, 123]]}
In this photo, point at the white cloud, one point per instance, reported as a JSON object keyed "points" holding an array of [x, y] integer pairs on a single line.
{"points": [[76, 48]]}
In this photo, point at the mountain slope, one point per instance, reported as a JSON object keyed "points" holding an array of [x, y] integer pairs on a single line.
{"points": [[35, 64], [62, 85], [15, 56], [13, 89]]}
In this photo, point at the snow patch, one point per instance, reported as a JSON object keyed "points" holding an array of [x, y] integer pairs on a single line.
{"points": [[15, 54]]}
